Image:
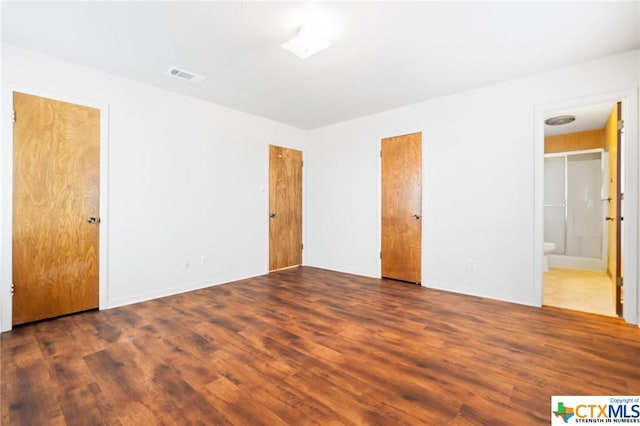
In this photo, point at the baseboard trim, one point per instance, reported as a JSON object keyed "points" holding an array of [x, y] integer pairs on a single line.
{"points": [[172, 291]]}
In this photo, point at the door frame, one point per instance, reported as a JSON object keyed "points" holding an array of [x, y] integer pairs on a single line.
{"points": [[6, 202], [380, 137], [630, 238]]}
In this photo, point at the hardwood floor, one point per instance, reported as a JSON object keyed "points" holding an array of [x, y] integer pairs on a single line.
{"points": [[309, 346]]}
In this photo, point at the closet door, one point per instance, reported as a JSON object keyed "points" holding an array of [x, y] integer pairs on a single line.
{"points": [[285, 207], [56, 175], [402, 207]]}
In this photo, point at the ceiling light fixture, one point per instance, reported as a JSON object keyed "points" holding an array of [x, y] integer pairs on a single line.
{"points": [[308, 42], [560, 120]]}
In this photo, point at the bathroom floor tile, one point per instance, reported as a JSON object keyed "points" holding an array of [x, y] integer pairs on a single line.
{"points": [[579, 290]]}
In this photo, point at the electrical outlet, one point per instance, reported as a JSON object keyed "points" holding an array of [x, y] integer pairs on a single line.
{"points": [[186, 264], [204, 260], [472, 265]]}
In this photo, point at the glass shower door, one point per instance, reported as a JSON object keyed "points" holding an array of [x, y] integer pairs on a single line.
{"points": [[555, 202], [584, 205]]}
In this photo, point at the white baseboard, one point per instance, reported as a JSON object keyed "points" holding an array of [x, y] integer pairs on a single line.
{"points": [[171, 291]]}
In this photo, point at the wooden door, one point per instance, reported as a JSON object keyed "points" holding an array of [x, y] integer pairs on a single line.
{"points": [[56, 158], [285, 207], [402, 207], [617, 215]]}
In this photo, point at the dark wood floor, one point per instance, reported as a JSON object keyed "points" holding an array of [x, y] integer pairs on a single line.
{"points": [[308, 346]]}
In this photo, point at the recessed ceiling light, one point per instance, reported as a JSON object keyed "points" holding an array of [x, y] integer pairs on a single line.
{"points": [[560, 120], [185, 75], [308, 42]]}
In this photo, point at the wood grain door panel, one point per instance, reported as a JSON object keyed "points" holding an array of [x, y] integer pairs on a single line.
{"points": [[285, 207], [55, 190], [618, 214], [402, 207]]}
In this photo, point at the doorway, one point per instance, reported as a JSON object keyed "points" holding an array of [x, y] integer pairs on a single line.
{"points": [[56, 207], [401, 208], [285, 208], [582, 214]]}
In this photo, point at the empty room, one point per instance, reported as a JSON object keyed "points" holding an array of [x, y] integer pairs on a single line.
{"points": [[244, 213]]}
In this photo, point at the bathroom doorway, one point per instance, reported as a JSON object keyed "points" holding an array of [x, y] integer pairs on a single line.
{"points": [[582, 205]]}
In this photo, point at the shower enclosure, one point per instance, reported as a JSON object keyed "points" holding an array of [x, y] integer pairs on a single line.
{"points": [[575, 203]]}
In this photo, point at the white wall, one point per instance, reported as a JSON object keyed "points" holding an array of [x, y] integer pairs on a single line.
{"points": [[186, 179], [478, 181]]}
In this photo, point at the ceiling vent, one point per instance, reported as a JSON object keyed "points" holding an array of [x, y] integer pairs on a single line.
{"points": [[185, 75]]}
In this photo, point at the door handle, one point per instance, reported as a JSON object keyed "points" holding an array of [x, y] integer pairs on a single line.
{"points": [[272, 215], [416, 217], [609, 218], [93, 220]]}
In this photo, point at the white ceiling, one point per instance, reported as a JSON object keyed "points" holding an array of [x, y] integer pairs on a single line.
{"points": [[384, 54], [587, 118]]}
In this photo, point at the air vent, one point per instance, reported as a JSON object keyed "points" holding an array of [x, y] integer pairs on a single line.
{"points": [[185, 75]]}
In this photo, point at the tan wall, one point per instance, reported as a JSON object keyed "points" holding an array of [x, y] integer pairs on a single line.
{"points": [[611, 145], [589, 139]]}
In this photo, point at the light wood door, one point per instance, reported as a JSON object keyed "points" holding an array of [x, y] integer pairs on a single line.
{"points": [[617, 215], [56, 157], [402, 207], [285, 207]]}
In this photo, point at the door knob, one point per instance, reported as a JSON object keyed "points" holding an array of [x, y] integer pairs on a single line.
{"points": [[272, 215], [93, 220], [416, 217], [609, 218]]}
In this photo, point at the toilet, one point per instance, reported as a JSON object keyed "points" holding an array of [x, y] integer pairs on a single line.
{"points": [[548, 248]]}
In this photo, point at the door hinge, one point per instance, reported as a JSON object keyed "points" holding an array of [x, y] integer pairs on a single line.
{"points": [[13, 116], [380, 255], [380, 153], [302, 246], [13, 289], [620, 124]]}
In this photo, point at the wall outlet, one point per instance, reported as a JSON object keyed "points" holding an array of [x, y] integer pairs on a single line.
{"points": [[204, 260], [472, 265], [186, 264]]}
